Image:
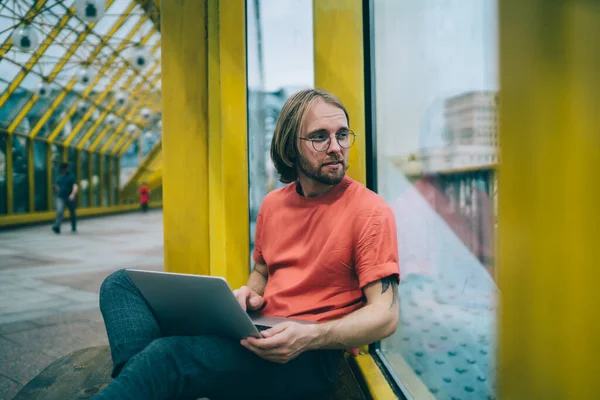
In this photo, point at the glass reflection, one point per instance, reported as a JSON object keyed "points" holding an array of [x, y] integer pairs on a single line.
{"points": [[3, 170], [20, 175], [280, 62], [40, 165], [436, 94]]}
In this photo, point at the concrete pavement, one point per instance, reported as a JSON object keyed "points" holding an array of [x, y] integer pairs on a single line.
{"points": [[49, 287]]}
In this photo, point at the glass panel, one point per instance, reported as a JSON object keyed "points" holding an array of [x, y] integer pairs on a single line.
{"points": [[106, 181], [20, 175], [3, 170], [436, 90], [84, 179], [115, 180], [40, 164], [275, 71], [12, 107], [56, 157], [110, 18], [95, 182]]}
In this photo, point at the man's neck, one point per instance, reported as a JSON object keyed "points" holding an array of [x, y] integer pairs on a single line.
{"points": [[310, 188]]}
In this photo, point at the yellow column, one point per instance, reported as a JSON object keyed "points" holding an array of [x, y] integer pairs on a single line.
{"points": [[185, 133], [204, 121], [233, 189], [339, 67], [548, 199]]}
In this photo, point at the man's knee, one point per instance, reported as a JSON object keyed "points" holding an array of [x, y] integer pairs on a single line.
{"points": [[171, 353], [190, 354], [115, 281]]}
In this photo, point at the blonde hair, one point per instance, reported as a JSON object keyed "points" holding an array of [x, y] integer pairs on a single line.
{"points": [[284, 146]]}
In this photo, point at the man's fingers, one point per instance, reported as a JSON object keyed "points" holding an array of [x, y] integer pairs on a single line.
{"points": [[270, 355], [255, 301], [274, 330], [241, 295], [267, 343]]}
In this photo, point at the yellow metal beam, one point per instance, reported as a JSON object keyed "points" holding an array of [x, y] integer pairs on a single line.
{"points": [[151, 8], [85, 94], [67, 88], [103, 133], [133, 179], [376, 385], [37, 54], [29, 218], [215, 147], [185, 147], [548, 203], [31, 13], [129, 117], [106, 90], [125, 87], [335, 22], [125, 139], [112, 103], [57, 68], [233, 193]]}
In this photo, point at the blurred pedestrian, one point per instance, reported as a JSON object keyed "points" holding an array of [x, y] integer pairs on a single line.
{"points": [[65, 188]]}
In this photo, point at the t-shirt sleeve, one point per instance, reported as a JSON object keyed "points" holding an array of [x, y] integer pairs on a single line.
{"points": [[257, 255], [376, 250]]}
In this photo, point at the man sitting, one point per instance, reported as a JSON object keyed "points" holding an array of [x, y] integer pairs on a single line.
{"points": [[325, 250]]}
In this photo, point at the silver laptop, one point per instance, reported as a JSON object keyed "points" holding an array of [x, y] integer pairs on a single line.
{"points": [[192, 305]]}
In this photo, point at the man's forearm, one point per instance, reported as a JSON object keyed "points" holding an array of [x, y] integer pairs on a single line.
{"points": [[257, 282], [364, 326]]}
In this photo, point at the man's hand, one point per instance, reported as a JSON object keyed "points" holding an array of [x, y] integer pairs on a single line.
{"points": [[283, 342], [72, 197], [249, 299]]}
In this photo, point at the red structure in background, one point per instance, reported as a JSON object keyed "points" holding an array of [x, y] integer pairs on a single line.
{"points": [[464, 203]]}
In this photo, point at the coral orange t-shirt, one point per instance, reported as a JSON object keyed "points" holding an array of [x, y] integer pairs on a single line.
{"points": [[321, 251]]}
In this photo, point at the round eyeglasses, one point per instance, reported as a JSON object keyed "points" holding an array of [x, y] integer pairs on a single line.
{"points": [[321, 141]]}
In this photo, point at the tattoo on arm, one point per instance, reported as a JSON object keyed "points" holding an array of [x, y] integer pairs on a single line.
{"points": [[385, 285]]}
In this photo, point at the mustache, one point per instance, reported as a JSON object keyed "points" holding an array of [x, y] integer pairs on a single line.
{"points": [[333, 161]]}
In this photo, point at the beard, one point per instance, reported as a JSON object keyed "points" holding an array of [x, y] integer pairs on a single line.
{"points": [[318, 174]]}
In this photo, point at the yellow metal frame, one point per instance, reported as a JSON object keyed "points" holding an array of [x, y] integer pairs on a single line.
{"points": [[373, 383], [106, 91], [132, 109], [232, 192], [57, 68], [548, 202], [205, 147], [37, 54], [125, 139], [31, 13], [29, 218], [86, 93], [133, 181], [109, 108], [67, 88], [184, 59], [340, 68]]}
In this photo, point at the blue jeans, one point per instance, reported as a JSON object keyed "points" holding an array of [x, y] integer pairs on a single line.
{"points": [[61, 204], [148, 365]]}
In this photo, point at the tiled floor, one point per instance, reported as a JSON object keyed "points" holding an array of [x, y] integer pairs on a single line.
{"points": [[49, 287]]}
